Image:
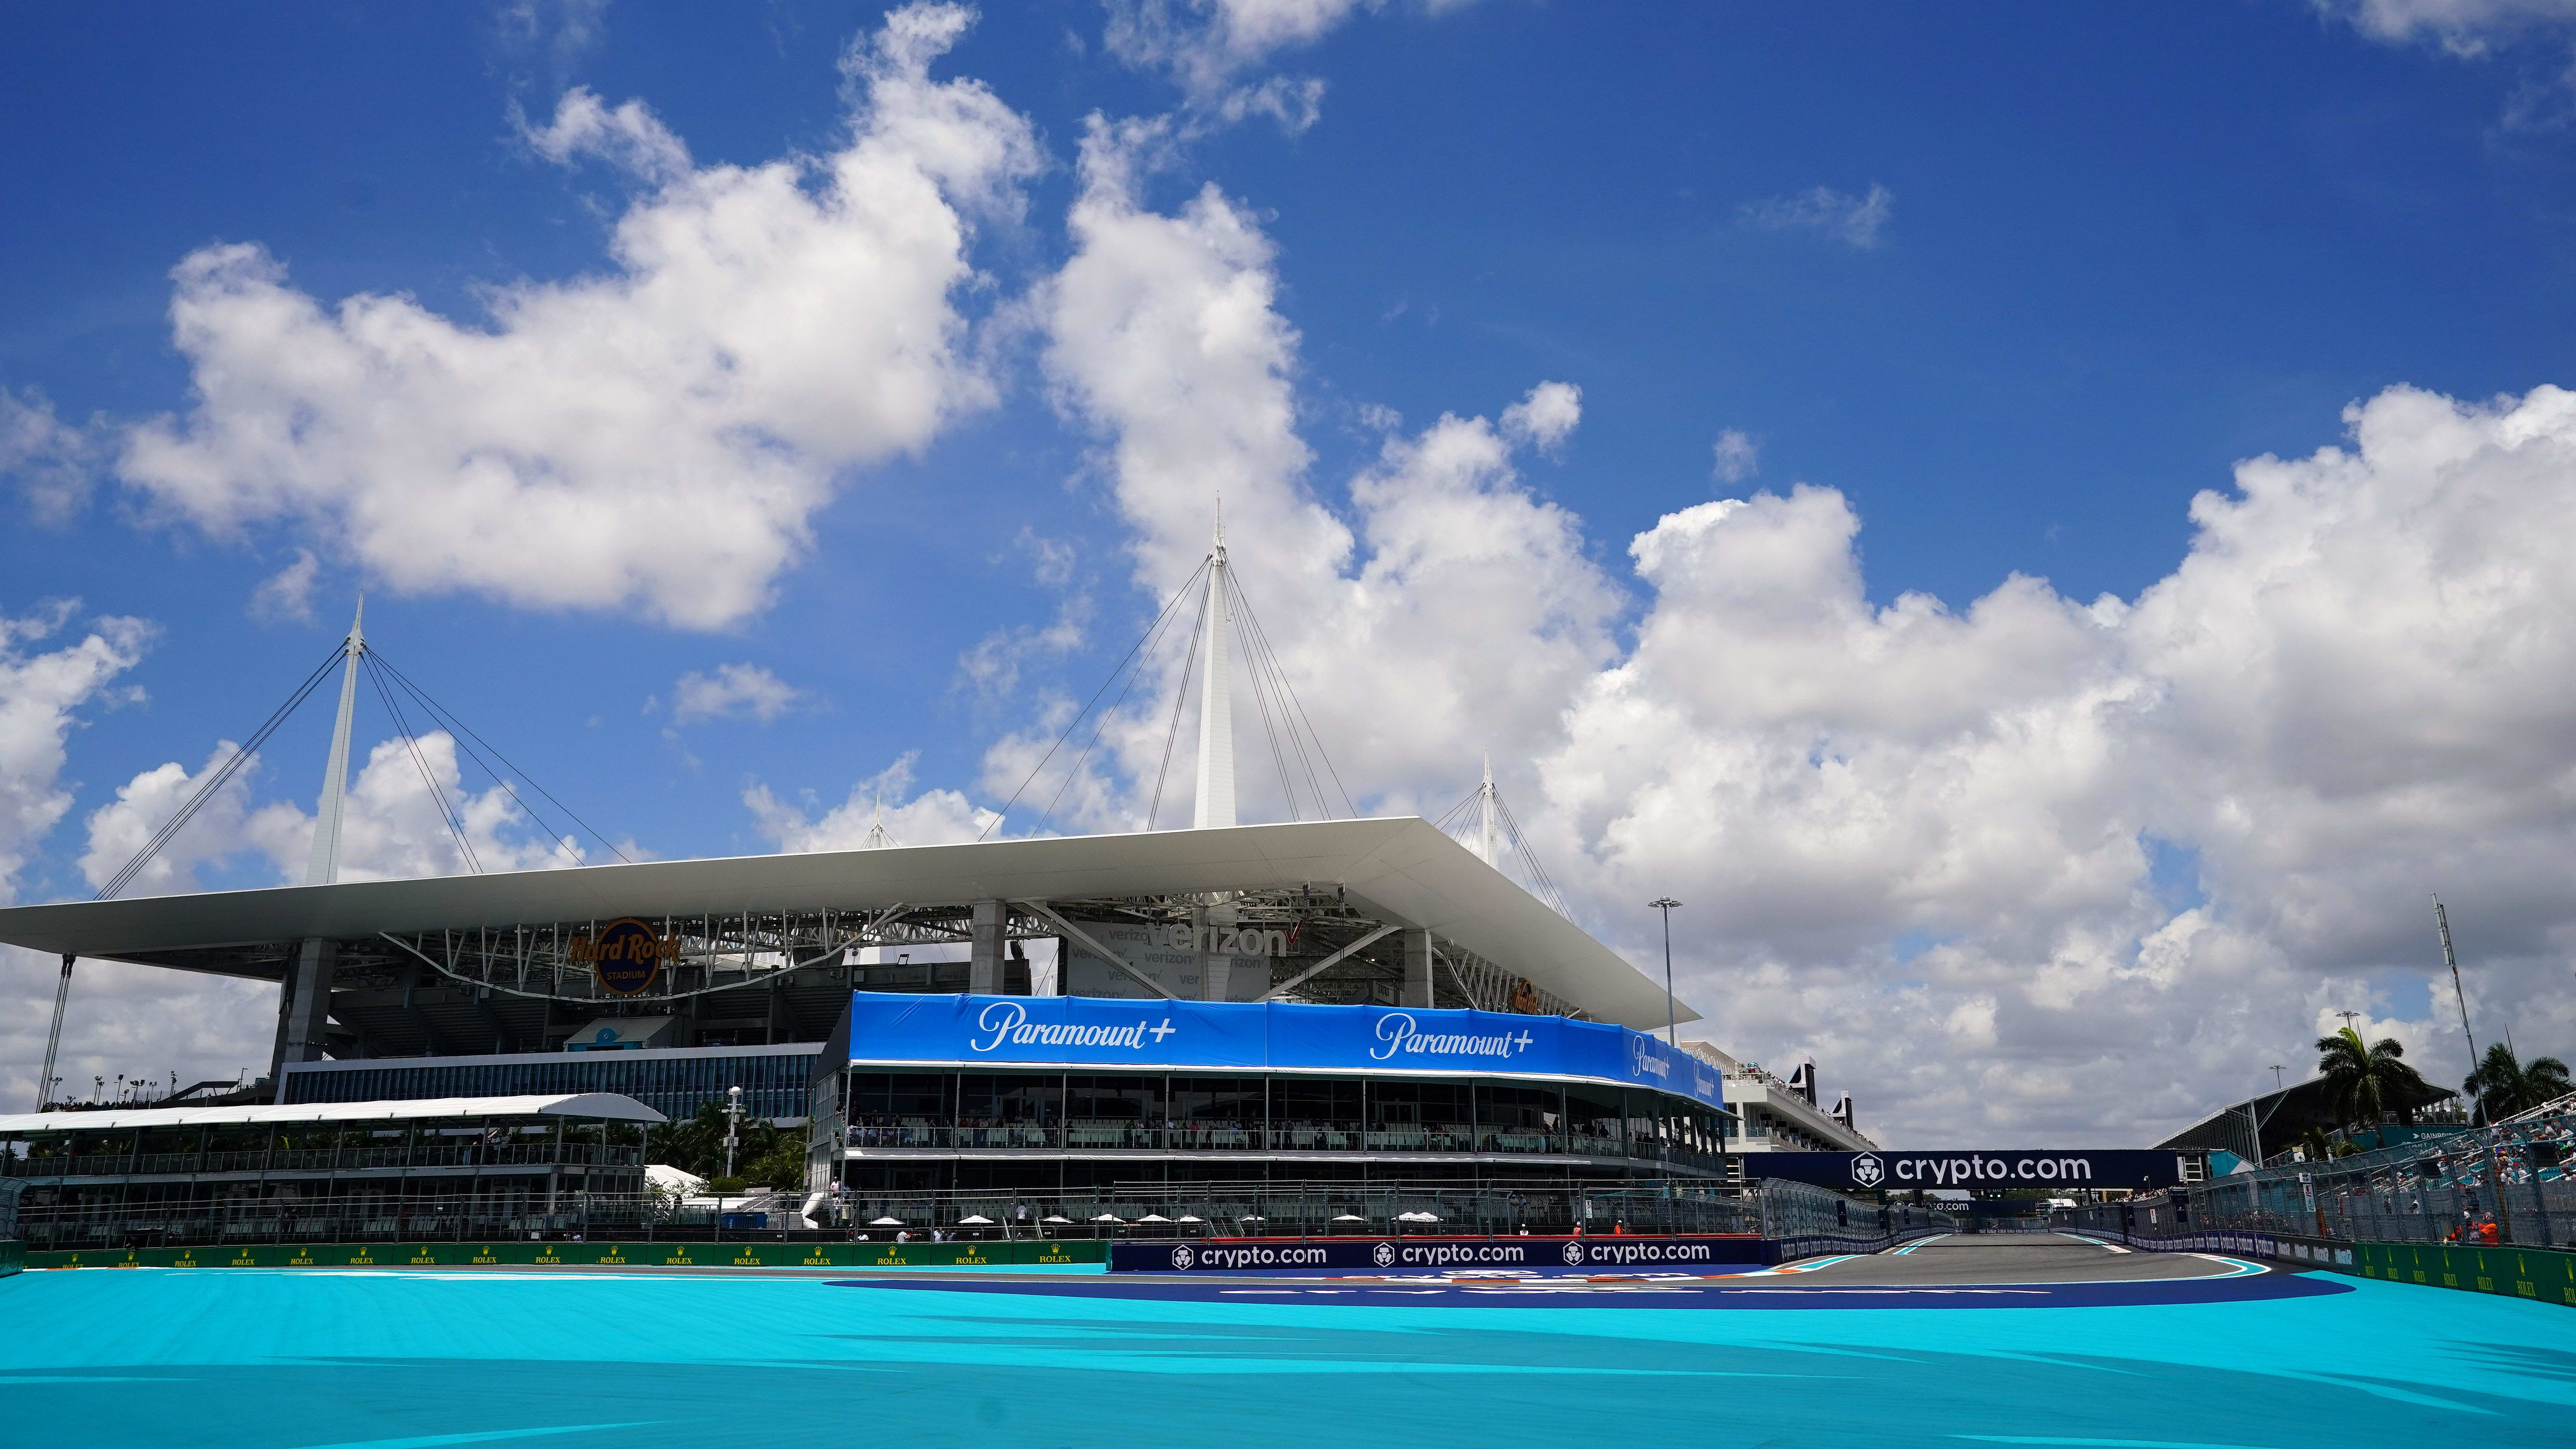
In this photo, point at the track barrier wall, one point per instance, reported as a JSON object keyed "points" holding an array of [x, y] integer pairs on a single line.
{"points": [[1554, 1254], [13, 1256], [1431, 1255], [588, 1255], [2546, 1275]]}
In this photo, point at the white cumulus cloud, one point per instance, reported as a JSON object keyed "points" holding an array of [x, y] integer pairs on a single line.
{"points": [[733, 691], [880, 810], [1209, 47], [2465, 27], [654, 437], [1737, 456], [2022, 866]]}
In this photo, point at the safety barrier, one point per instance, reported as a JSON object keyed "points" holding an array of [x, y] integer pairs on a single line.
{"points": [[2547, 1275], [13, 1256], [1811, 1245], [590, 1255]]}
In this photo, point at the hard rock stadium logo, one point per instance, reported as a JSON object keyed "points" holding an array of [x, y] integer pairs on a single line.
{"points": [[626, 955]]}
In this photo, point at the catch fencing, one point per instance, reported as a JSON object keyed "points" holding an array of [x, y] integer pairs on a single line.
{"points": [[2512, 1178]]}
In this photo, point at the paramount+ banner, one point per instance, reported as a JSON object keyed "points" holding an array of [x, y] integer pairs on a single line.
{"points": [[1433, 1255], [890, 1029], [1960, 1169]]}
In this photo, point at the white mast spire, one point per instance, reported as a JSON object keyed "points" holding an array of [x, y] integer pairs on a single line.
{"points": [[1485, 811], [1215, 805], [324, 866]]}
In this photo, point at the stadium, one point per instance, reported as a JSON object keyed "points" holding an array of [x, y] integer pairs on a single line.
{"points": [[1283, 1025]]}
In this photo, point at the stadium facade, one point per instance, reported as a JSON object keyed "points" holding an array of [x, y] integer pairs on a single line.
{"points": [[1313, 1001], [1338, 1000]]}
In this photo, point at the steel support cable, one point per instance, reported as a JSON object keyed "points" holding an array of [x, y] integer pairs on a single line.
{"points": [[449, 717], [1442, 824], [554, 836], [215, 781], [1071, 725], [1143, 655], [1180, 697], [1266, 681], [1261, 701], [429, 781], [1278, 674], [1261, 637], [1282, 698], [1529, 857]]}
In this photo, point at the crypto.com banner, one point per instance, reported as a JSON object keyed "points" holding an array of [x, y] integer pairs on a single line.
{"points": [[1433, 1255], [1971, 1171]]}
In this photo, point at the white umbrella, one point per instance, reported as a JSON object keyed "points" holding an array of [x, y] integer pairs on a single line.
{"points": [[1348, 1218], [1055, 1218], [886, 1223], [1252, 1218], [1109, 1218], [974, 1220], [1153, 1218], [1417, 1217], [1190, 1218]]}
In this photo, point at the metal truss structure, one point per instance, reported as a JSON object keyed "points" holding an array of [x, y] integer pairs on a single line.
{"points": [[1360, 960]]}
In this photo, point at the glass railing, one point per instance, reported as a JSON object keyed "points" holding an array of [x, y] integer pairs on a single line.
{"points": [[320, 1159], [1315, 1136]]}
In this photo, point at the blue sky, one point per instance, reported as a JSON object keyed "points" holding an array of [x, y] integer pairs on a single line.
{"points": [[2014, 282]]}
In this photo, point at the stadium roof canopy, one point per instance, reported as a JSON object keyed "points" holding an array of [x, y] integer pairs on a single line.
{"points": [[587, 1106], [1404, 871]]}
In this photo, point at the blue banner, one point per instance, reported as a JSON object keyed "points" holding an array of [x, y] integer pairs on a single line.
{"points": [[1700, 1254], [898, 1029], [1976, 1170]]}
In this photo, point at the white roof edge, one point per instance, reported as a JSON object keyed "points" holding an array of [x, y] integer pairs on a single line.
{"points": [[1403, 867], [588, 1106]]}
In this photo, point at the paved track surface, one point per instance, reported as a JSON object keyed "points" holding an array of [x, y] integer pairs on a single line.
{"points": [[1999, 1258]]}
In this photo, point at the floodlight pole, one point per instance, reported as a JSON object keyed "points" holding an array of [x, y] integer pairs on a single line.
{"points": [[733, 1125], [2450, 958], [1672, 1014]]}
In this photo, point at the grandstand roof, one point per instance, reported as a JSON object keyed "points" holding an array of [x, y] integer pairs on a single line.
{"points": [[588, 1106], [1404, 871]]}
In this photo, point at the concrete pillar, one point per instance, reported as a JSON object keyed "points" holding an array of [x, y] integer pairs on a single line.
{"points": [[308, 1011], [984, 973], [1417, 969]]}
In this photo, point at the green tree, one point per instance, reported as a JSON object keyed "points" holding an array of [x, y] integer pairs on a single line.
{"points": [[782, 1165], [697, 1146], [2364, 1083], [2318, 1146], [2503, 1086]]}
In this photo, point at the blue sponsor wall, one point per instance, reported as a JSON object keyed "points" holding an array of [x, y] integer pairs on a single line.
{"points": [[1694, 1254], [892, 1029]]}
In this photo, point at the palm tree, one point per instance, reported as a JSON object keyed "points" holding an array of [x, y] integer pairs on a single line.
{"points": [[2503, 1086], [2366, 1083]]}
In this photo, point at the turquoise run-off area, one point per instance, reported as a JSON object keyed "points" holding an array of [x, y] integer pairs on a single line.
{"points": [[294, 1359]]}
